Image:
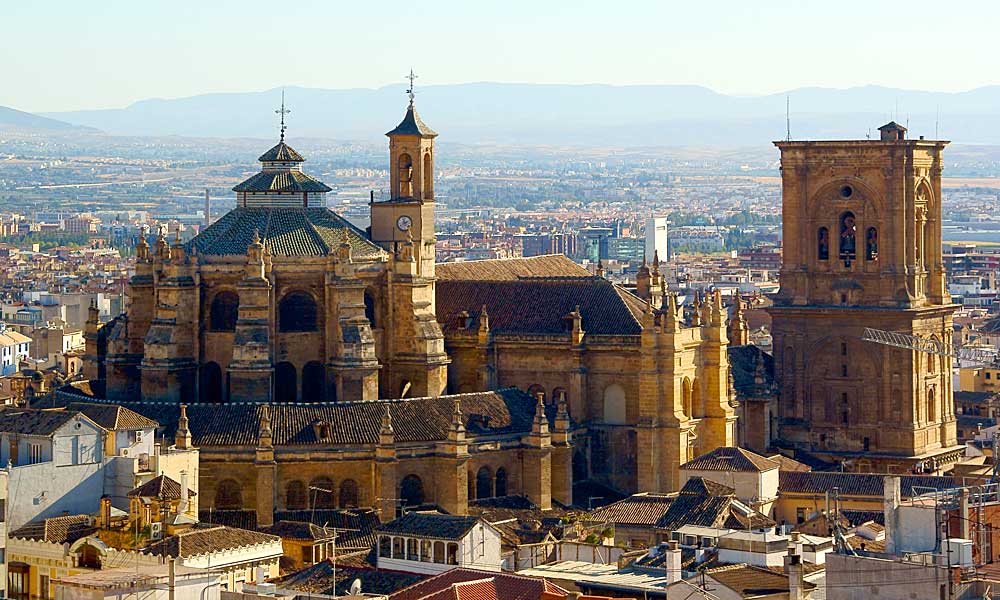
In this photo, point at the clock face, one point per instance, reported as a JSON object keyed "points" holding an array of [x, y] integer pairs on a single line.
{"points": [[404, 223]]}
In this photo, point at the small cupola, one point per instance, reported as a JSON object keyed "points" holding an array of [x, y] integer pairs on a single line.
{"points": [[892, 132]]}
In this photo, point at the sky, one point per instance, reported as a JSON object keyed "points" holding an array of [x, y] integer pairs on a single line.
{"points": [[69, 55]]}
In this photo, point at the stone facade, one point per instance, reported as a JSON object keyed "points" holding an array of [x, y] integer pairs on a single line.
{"points": [[862, 248], [282, 303]]}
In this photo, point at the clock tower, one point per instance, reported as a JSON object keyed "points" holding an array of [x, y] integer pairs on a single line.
{"points": [[416, 363], [408, 215]]}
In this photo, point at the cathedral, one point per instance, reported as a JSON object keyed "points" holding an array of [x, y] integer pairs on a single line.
{"points": [[318, 365]]}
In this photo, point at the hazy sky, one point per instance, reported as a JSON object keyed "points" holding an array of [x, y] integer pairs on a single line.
{"points": [[71, 54]]}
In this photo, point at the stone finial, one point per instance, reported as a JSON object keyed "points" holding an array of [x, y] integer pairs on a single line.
{"points": [[142, 247], [717, 318], [484, 319], [456, 433], [656, 262], [759, 374], [264, 437], [696, 310], [540, 424], [344, 249], [599, 271], [386, 434], [182, 438], [562, 413], [576, 325]]}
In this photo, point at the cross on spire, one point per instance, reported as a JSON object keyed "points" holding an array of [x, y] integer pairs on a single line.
{"points": [[282, 111], [409, 91]]}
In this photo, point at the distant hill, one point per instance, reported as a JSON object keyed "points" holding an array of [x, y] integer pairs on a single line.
{"points": [[596, 115], [16, 119]]}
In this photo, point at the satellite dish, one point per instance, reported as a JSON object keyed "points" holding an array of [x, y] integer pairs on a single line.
{"points": [[356, 587]]}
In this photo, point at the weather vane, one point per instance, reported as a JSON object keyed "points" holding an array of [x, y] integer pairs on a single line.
{"points": [[282, 111], [409, 91]]}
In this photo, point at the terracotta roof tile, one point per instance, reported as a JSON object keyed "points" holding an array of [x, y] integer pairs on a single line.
{"points": [[113, 417], [643, 509], [161, 487], [282, 152], [730, 458], [855, 484], [59, 530], [508, 586], [435, 525], [207, 539], [412, 125], [511, 269]]}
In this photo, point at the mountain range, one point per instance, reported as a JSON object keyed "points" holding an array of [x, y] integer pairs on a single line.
{"points": [[17, 119], [541, 114]]}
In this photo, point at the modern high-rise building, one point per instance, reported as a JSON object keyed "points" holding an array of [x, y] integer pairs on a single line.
{"points": [[862, 248], [657, 241]]}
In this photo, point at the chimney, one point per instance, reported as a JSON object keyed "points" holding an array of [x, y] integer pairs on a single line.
{"points": [[672, 562], [891, 495], [208, 209], [793, 568], [183, 506], [104, 521], [963, 513]]}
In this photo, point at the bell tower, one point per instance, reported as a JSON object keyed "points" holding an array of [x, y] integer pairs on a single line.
{"points": [[415, 360], [408, 215], [862, 248]]}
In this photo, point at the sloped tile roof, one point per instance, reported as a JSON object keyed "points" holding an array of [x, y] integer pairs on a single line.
{"points": [[412, 125], [730, 458], [855, 484], [282, 152], [207, 539], [506, 411], [284, 231], [508, 586], [113, 417], [299, 530], [323, 578], [281, 181], [29, 421], [59, 530], [161, 487], [699, 486], [435, 525], [749, 581], [644, 509], [540, 306], [511, 269]]}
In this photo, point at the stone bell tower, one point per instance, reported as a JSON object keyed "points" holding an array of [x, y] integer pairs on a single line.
{"points": [[416, 362], [862, 248]]}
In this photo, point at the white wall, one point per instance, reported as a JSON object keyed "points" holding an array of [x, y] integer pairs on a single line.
{"points": [[45, 490]]}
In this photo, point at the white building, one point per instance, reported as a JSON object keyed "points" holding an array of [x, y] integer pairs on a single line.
{"points": [[14, 347], [754, 477], [431, 543], [149, 582], [657, 240]]}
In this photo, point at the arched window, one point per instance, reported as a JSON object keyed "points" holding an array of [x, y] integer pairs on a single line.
{"points": [[823, 243], [535, 390], [210, 383], [297, 312], [323, 493], [295, 496], [411, 491], [686, 396], [931, 405], [224, 311], [370, 308], [439, 552], [385, 546], [228, 495], [285, 382], [428, 177], [697, 407], [348, 493], [452, 553], [313, 382], [89, 557], [405, 176], [500, 489], [871, 243], [614, 404], [848, 237], [484, 483]]}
